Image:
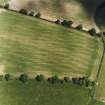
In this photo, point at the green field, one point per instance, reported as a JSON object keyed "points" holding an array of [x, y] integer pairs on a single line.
{"points": [[34, 93], [33, 46]]}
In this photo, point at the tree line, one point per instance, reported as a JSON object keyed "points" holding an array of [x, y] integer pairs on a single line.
{"points": [[81, 81], [65, 23]]}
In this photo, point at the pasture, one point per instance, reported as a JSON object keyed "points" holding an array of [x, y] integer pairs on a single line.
{"points": [[44, 93]]}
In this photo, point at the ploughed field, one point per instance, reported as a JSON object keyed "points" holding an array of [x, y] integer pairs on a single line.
{"points": [[34, 46]]}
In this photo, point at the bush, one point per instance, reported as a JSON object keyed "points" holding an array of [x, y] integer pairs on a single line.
{"points": [[66, 79], [1, 77], [23, 78], [31, 13], [92, 31], [79, 27], [23, 11], [67, 23], [57, 21], [6, 6], [61, 81], [7, 77], [38, 15], [39, 78]]}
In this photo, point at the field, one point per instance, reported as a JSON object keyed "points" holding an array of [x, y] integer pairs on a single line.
{"points": [[34, 93], [26, 45]]}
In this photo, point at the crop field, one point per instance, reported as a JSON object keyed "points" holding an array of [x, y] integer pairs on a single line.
{"points": [[33, 46], [35, 93]]}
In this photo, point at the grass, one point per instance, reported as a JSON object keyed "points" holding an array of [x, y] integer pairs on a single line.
{"points": [[100, 90], [34, 46], [34, 93], [3, 1], [99, 103]]}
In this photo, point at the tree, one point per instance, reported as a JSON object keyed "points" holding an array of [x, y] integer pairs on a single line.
{"points": [[23, 78], [31, 13], [23, 11], [38, 15], [61, 81], [49, 79], [66, 79], [92, 31], [6, 6], [104, 33], [7, 77], [76, 81], [40, 77], [55, 79], [57, 21], [67, 23], [79, 27]]}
